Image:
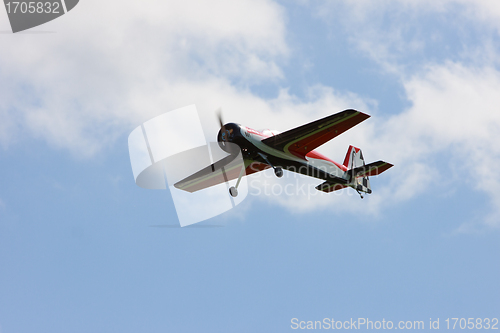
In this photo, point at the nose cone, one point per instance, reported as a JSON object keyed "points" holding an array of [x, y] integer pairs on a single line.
{"points": [[229, 133]]}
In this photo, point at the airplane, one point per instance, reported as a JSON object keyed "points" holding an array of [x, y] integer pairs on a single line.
{"points": [[292, 150]]}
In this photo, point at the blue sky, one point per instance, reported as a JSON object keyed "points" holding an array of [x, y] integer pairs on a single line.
{"points": [[82, 248]]}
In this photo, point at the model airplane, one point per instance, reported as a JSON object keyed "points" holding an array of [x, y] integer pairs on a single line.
{"points": [[292, 150]]}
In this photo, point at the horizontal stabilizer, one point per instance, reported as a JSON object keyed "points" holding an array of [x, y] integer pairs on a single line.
{"points": [[330, 187], [372, 169]]}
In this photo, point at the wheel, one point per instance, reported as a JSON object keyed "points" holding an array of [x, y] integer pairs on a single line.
{"points": [[278, 172], [233, 191]]}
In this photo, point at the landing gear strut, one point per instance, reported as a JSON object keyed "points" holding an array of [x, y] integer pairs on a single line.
{"points": [[233, 190], [277, 170]]}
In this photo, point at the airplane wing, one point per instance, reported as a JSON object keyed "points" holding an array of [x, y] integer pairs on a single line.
{"points": [[301, 140], [219, 172], [222, 171]]}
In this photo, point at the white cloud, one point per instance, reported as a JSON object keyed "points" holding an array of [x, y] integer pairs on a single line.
{"points": [[446, 139], [110, 65], [100, 75], [485, 11], [456, 109], [401, 36], [113, 65]]}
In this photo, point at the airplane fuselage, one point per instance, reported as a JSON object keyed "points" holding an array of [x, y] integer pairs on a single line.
{"points": [[255, 153], [292, 150]]}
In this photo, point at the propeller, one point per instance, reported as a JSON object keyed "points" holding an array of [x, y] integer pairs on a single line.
{"points": [[229, 162], [218, 112], [223, 133]]}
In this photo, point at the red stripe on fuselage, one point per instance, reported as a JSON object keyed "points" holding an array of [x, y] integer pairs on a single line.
{"points": [[256, 132], [316, 155], [311, 154]]}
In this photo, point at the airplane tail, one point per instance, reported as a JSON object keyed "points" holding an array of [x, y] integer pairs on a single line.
{"points": [[353, 157], [353, 161], [357, 172]]}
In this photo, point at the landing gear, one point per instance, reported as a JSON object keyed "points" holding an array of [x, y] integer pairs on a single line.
{"points": [[277, 170], [360, 194], [233, 190]]}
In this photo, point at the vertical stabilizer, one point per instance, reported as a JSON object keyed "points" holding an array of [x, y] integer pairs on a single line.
{"points": [[354, 159]]}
